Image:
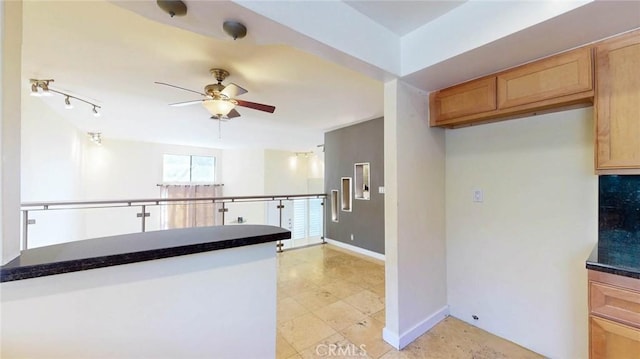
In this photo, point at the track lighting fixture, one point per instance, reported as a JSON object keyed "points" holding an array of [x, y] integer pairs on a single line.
{"points": [[95, 137], [41, 88]]}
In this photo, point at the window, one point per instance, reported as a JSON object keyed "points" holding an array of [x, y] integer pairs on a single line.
{"points": [[185, 168]]}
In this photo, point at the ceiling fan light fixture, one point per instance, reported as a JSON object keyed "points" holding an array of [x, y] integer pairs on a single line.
{"points": [[219, 107], [234, 29]]}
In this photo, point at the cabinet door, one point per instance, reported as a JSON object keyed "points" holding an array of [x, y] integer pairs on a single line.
{"points": [[617, 103], [610, 340], [470, 98], [551, 78]]}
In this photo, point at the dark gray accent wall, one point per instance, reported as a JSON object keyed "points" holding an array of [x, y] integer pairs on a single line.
{"points": [[363, 142]]}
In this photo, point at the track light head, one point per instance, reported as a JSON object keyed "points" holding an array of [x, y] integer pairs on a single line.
{"points": [[95, 112], [34, 90], [67, 103], [44, 85], [95, 137]]}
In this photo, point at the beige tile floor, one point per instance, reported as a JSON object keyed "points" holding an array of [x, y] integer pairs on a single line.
{"points": [[331, 304]]}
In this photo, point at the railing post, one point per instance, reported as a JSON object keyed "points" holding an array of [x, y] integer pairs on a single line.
{"points": [[144, 216], [223, 210], [324, 214], [280, 207], [25, 229]]}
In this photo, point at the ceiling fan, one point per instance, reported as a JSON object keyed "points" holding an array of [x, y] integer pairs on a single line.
{"points": [[219, 99]]}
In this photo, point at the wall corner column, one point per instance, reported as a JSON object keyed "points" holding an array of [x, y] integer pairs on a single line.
{"points": [[416, 291], [10, 111]]}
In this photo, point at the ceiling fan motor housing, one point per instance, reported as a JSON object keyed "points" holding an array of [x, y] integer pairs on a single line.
{"points": [[213, 90]]}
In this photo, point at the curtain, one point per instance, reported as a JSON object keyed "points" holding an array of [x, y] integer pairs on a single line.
{"points": [[184, 214]]}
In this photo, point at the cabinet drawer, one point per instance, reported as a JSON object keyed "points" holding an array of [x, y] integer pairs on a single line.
{"points": [[615, 303], [466, 99], [550, 78], [610, 340]]}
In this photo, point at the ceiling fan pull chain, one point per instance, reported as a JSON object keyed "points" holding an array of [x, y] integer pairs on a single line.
{"points": [[219, 129]]}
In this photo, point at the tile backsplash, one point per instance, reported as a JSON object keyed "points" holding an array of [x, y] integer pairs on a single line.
{"points": [[619, 220], [619, 209]]}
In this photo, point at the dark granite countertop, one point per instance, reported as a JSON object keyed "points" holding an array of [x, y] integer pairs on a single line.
{"points": [[137, 247], [617, 252]]}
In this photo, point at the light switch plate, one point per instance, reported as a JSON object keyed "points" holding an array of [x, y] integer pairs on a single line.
{"points": [[381, 189]]}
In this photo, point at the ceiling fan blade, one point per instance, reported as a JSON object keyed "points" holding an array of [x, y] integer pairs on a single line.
{"points": [[232, 90], [233, 113], [178, 87], [186, 103], [256, 106]]}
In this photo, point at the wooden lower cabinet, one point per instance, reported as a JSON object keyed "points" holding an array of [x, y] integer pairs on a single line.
{"points": [[614, 316], [610, 340]]}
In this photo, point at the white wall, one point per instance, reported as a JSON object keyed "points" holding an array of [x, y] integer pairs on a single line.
{"points": [[10, 83], [416, 288], [219, 304], [243, 174], [52, 150], [517, 259], [51, 170], [285, 173], [127, 170], [59, 163]]}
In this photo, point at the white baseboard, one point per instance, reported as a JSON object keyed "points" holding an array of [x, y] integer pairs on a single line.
{"points": [[401, 341], [358, 250]]}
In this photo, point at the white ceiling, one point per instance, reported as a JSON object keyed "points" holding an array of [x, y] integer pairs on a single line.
{"points": [[106, 54], [402, 17], [321, 63]]}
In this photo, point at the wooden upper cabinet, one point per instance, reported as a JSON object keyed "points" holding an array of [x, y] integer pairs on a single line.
{"points": [[470, 98], [617, 105], [542, 86], [551, 78]]}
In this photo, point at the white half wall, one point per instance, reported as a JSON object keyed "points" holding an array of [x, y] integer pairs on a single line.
{"points": [[219, 304], [416, 288], [517, 259]]}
